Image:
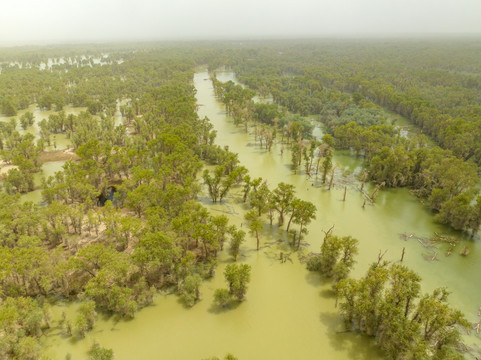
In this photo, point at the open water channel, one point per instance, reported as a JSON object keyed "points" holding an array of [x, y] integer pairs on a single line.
{"points": [[289, 313]]}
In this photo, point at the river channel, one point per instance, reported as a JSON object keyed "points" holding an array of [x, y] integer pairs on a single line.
{"points": [[289, 313]]}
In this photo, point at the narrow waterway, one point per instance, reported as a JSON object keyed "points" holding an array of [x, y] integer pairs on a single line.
{"points": [[377, 227], [289, 312]]}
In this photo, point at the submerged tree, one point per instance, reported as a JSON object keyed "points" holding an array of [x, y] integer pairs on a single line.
{"points": [[227, 357], [303, 212], [191, 289], [336, 258], [86, 315], [237, 277], [283, 195], [255, 224], [98, 352], [237, 238], [220, 184], [387, 304]]}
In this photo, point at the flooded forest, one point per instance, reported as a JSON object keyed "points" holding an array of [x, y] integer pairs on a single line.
{"points": [[241, 200]]}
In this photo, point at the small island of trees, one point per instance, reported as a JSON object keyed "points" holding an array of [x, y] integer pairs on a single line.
{"points": [[123, 219]]}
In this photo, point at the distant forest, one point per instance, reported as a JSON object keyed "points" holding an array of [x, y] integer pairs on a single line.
{"points": [[121, 219]]}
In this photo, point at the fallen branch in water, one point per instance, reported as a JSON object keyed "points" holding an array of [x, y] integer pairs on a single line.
{"points": [[431, 256], [434, 242], [477, 327]]}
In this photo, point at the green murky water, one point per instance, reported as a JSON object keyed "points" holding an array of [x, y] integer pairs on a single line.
{"points": [[48, 169], [58, 141], [289, 313]]}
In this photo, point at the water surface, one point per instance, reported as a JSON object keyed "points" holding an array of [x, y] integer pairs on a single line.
{"points": [[289, 312]]}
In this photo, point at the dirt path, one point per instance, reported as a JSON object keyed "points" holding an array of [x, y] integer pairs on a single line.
{"points": [[57, 155]]}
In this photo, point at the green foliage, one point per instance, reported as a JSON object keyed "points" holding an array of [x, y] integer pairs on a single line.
{"points": [[111, 285], [296, 127], [259, 198], [227, 357], [98, 352], [387, 304], [21, 321], [190, 289], [7, 107], [220, 227], [81, 325], [336, 258], [156, 235], [222, 297], [283, 196], [26, 120], [255, 224], [214, 183], [237, 276], [326, 164], [361, 111], [225, 176], [237, 238], [86, 317], [364, 117], [302, 213], [266, 113], [28, 348], [120, 221], [18, 182], [457, 212]]}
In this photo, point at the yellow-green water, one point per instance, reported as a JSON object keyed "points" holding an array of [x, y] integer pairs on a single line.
{"points": [[289, 312], [60, 140]]}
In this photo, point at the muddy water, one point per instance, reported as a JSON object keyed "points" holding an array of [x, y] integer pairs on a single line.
{"points": [[48, 169], [58, 141], [289, 313], [377, 227]]}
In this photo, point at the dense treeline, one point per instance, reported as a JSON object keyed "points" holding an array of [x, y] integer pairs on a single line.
{"points": [[436, 92], [351, 86], [269, 121], [122, 221], [387, 304], [266, 123], [150, 234]]}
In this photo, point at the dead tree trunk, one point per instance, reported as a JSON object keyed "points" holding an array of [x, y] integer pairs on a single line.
{"points": [[374, 193], [332, 180], [327, 232], [363, 181], [380, 256]]}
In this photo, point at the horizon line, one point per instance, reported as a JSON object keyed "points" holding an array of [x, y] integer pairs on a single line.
{"points": [[187, 39]]}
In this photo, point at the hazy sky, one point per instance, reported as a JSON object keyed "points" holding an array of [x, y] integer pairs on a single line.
{"points": [[43, 21]]}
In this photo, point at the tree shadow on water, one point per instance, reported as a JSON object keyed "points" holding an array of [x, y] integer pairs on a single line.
{"points": [[355, 345], [314, 278], [217, 309], [328, 293]]}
